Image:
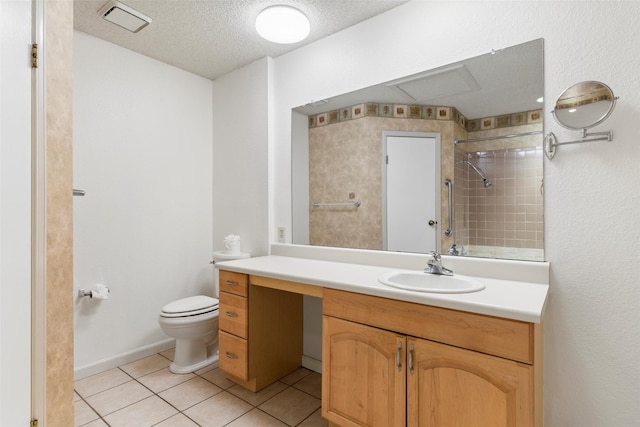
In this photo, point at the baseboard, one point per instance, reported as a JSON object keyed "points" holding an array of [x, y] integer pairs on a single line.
{"points": [[80, 372], [312, 364]]}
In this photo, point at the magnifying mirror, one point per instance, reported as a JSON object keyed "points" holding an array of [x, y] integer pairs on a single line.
{"points": [[580, 107], [584, 105]]}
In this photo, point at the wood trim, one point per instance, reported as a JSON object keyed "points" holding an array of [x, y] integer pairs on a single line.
{"points": [[506, 338], [285, 285], [538, 375]]}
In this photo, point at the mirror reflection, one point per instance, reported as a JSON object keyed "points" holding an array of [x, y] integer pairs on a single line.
{"points": [[584, 105], [482, 120]]}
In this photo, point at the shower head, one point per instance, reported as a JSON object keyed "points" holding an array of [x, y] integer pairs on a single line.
{"points": [[477, 170]]}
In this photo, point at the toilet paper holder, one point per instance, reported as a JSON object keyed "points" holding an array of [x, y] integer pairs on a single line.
{"points": [[102, 292]]}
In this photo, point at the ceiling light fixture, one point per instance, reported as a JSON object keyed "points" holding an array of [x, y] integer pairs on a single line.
{"points": [[282, 24]]}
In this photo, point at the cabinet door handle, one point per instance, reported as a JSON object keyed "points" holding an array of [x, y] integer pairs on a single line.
{"points": [[231, 283], [231, 314], [411, 359], [231, 355], [398, 355]]}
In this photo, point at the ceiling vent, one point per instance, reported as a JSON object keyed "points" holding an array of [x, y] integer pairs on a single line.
{"points": [[124, 16], [446, 81]]}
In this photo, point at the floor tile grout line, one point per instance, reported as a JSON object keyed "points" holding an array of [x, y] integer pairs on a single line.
{"points": [[95, 411], [199, 375]]}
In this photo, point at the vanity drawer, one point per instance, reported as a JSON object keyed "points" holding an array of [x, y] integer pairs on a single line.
{"points": [[233, 314], [234, 283], [510, 339], [234, 358]]}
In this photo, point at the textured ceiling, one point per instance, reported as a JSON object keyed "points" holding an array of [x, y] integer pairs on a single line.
{"points": [[213, 37]]}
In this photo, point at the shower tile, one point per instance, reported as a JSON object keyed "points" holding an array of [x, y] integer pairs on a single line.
{"points": [[146, 366], [190, 393], [100, 382]]}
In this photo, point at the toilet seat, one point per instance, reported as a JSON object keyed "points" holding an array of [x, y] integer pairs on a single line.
{"points": [[191, 306]]}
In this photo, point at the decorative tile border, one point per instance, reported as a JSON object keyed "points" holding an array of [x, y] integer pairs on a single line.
{"points": [[424, 112]]}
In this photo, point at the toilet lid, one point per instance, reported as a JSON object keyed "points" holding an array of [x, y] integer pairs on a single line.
{"points": [[190, 306]]}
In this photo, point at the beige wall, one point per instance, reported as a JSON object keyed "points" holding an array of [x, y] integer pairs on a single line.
{"points": [[345, 158], [58, 47]]}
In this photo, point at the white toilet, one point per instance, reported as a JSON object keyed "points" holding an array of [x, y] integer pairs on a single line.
{"points": [[193, 322]]}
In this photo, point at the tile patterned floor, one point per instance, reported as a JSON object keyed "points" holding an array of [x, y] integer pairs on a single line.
{"points": [[145, 393]]}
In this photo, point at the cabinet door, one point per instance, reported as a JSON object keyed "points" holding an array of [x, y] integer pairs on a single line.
{"points": [[454, 387], [363, 375]]}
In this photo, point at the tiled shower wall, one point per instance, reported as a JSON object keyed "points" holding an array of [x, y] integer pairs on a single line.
{"points": [[510, 212]]}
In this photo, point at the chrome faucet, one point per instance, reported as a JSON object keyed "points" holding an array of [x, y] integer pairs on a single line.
{"points": [[434, 265]]}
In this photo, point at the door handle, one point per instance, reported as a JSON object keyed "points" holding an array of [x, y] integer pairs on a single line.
{"points": [[410, 362], [398, 356]]}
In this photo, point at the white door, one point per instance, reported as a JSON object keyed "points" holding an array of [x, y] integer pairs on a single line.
{"points": [[15, 213], [410, 183]]}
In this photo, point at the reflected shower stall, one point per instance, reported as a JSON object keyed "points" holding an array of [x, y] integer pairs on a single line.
{"points": [[498, 201]]}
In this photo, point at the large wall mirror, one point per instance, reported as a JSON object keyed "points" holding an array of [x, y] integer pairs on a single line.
{"points": [[449, 156]]}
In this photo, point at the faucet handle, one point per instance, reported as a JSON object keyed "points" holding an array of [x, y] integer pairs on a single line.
{"points": [[435, 255]]}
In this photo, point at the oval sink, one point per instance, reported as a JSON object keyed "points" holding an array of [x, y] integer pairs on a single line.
{"points": [[425, 282]]}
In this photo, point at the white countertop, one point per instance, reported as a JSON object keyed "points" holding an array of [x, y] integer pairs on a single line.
{"points": [[518, 300]]}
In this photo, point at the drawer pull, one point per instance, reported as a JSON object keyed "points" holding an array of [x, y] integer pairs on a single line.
{"points": [[231, 355], [231, 283], [398, 354], [231, 314]]}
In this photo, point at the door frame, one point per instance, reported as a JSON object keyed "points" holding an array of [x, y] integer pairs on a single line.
{"points": [[438, 180], [38, 224]]}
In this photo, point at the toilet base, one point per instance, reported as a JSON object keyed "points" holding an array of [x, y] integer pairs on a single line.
{"points": [[191, 355], [177, 369]]}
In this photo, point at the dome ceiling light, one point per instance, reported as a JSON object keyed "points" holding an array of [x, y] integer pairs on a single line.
{"points": [[282, 24]]}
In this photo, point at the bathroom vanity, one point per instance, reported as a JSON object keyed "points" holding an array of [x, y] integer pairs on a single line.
{"points": [[389, 357]]}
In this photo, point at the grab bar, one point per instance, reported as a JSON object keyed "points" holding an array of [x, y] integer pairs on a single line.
{"points": [[355, 203], [449, 184]]}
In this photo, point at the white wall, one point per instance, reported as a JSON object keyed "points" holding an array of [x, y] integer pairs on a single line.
{"points": [[592, 350], [143, 154], [240, 141]]}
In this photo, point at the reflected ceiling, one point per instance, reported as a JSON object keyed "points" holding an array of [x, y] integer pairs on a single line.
{"points": [[471, 86]]}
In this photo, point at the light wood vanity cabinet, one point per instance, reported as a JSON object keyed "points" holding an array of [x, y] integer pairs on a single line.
{"points": [[260, 331], [393, 363]]}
